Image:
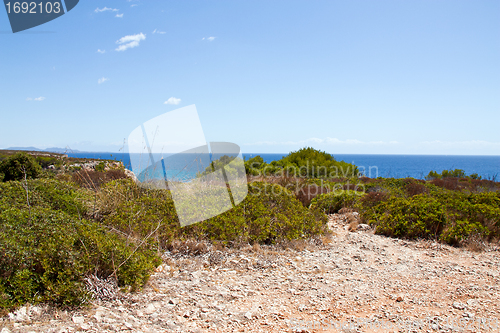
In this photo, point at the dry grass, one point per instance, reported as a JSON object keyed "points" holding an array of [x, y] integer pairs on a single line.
{"points": [[94, 179], [190, 247]]}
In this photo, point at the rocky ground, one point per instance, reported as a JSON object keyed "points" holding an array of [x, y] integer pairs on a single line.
{"points": [[354, 281]]}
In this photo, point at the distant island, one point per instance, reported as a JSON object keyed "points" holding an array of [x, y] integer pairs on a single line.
{"points": [[50, 150]]}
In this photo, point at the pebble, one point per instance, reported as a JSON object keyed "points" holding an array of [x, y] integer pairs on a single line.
{"points": [[356, 278]]}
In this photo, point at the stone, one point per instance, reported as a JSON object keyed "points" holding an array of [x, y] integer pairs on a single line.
{"points": [[149, 309], [20, 314], [459, 306], [85, 327], [363, 227]]}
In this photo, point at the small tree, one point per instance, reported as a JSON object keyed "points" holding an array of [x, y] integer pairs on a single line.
{"points": [[19, 166]]}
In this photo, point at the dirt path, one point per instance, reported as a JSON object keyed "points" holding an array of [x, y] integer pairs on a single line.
{"points": [[354, 282]]}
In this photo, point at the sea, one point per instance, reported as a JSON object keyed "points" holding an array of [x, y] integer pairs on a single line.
{"points": [[373, 166]]}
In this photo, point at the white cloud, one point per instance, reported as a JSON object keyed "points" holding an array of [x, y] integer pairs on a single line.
{"points": [[105, 9], [119, 15], [172, 100], [134, 5], [129, 41], [102, 80], [39, 99], [210, 39], [156, 31], [101, 51]]}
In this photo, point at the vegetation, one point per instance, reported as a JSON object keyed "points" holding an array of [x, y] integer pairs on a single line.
{"points": [[60, 225], [224, 162], [19, 166], [457, 173], [306, 162], [332, 202], [414, 209], [269, 214], [56, 231], [48, 245]]}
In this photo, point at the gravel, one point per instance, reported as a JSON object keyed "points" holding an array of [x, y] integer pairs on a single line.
{"points": [[349, 282]]}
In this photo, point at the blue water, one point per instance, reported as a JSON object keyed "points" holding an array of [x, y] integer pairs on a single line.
{"points": [[397, 166]]}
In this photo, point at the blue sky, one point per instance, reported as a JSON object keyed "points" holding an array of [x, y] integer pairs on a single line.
{"points": [[372, 77]]}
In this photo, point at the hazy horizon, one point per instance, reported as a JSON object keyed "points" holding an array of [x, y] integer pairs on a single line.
{"points": [[251, 152]]}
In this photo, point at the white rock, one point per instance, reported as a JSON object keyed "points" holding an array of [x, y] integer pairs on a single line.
{"points": [[150, 309], [459, 306], [363, 227], [85, 327], [19, 315], [78, 319], [163, 268]]}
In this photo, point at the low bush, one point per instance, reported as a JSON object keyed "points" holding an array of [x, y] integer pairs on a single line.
{"points": [[47, 246], [46, 161], [414, 187], [253, 165], [45, 254], [418, 216], [269, 214], [19, 166], [308, 192], [457, 173], [448, 213], [46, 193], [306, 162], [332, 202]]}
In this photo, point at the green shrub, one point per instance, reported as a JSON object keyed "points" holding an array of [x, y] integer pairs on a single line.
{"points": [[100, 167], [46, 161], [332, 202], [47, 193], [47, 246], [461, 230], [253, 165], [415, 217], [457, 173], [224, 162], [45, 254], [19, 166], [268, 214], [309, 162], [452, 214], [306, 162]]}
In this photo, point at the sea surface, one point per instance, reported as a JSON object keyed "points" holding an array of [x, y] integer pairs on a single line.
{"points": [[397, 166]]}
